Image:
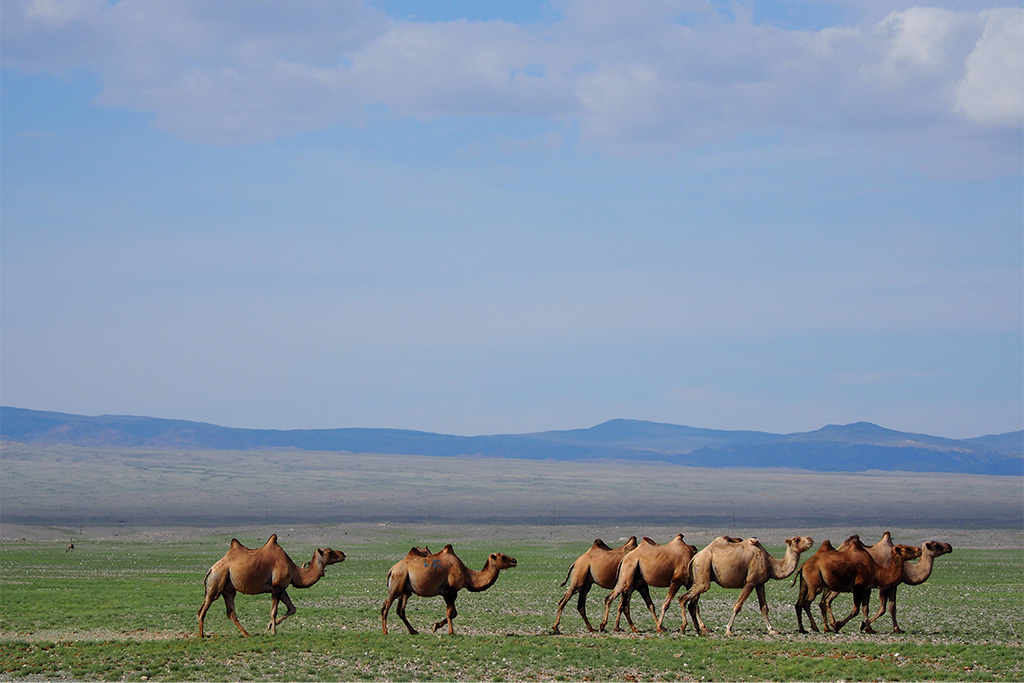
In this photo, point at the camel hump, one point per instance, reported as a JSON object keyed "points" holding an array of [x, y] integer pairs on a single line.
{"points": [[448, 549], [678, 537], [600, 545], [272, 540], [650, 541], [826, 545], [732, 539], [235, 543]]}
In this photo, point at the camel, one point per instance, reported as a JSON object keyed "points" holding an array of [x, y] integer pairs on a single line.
{"points": [[850, 570], [735, 563], [651, 564], [263, 570], [914, 574], [600, 565], [71, 546], [881, 553], [427, 574]]}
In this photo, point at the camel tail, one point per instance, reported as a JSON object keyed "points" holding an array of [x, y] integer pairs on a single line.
{"points": [[568, 573], [796, 575]]}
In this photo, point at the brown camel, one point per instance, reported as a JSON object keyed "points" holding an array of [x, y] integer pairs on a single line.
{"points": [[735, 563], [851, 570], [651, 564], [263, 570], [600, 565], [428, 574], [71, 546], [914, 574], [881, 553]]}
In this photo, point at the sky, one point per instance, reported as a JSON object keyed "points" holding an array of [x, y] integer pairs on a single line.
{"points": [[486, 217]]}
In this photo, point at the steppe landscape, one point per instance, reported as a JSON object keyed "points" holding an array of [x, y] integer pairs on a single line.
{"points": [[147, 524]]}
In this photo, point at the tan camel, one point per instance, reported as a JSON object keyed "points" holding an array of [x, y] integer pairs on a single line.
{"points": [[914, 574], [735, 563], [263, 570], [651, 564], [851, 570], [427, 574], [599, 565]]}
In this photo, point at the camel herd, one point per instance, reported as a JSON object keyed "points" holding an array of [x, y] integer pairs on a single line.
{"points": [[734, 563]]}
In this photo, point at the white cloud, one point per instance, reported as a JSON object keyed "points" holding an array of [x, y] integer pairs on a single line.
{"points": [[676, 73], [992, 89]]}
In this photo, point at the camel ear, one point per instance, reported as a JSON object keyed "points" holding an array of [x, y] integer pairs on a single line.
{"points": [[494, 557]]}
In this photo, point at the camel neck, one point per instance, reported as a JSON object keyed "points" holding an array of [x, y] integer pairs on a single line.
{"points": [[781, 569], [914, 574], [304, 577], [483, 579]]}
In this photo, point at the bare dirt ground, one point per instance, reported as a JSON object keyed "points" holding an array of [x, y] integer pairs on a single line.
{"points": [[118, 492], [365, 533]]}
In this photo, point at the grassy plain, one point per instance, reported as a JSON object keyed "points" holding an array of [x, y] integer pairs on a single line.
{"points": [[148, 523], [122, 606]]}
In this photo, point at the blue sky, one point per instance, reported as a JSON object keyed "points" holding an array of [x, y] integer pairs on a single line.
{"points": [[482, 217]]}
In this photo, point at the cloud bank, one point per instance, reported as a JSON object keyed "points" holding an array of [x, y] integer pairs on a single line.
{"points": [[609, 75]]}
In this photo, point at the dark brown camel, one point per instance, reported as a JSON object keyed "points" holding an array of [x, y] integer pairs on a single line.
{"points": [[851, 570]]}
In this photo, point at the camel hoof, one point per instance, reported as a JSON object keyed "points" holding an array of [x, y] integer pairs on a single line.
{"points": [[897, 629]]}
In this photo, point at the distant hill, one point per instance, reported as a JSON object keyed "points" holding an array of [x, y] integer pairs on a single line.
{"points": [[855, 447]]}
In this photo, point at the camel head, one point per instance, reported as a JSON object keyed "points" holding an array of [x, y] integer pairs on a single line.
{"points": [[502, 561], [936, 548], [800, 543], [912, 552], [328, 556], [905, 552]]}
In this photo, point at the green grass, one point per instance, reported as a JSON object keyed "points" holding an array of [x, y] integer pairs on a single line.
{"points": [[125, 610]]}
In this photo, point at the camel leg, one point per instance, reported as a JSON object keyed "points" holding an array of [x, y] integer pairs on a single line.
{"points": [[673, 588], [403, 600], [581, 606], [803, 605], [449, 613], [288, 604], [275, 596], [625, 600], [837, 625], [865, 625], [229, 603], [207, 601], [691, 600], [385, 608], [763, 603], [564, 600], [827, 599], [608, 600], [887, 600], [693, 607], [744, 594], [644, 590]]}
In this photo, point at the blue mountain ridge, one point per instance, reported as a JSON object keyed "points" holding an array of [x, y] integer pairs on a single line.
{"points": [[860, 446]]}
